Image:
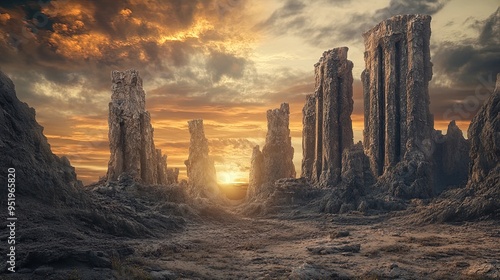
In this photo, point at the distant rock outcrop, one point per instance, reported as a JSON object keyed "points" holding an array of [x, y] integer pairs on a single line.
{"points": [[39, 173], [200, 167], [256, 172], [278, 151], [451, 157], [327, 119], [130, 133]]}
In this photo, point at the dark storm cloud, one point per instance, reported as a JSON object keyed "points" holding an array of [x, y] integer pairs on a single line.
{"points": [[466, 63], [83, 41]]}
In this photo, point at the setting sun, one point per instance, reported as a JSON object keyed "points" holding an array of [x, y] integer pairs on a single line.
{"points": [[227, 177]]}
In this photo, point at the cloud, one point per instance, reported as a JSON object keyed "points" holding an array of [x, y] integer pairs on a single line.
{"points": [[222, 64], [466, 63], [315, 25]]}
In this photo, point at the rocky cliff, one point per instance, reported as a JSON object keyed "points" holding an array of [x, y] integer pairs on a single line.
{"points": [[39, 173], [480, 198]]}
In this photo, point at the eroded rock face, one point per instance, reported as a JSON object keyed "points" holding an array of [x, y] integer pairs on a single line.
{"points": [[480, 199], [308, 136], [327, 119], [395, 83], [256, 172], [39, 173], [451, 158], [278, 151], [356, 167], [398, 125], [484, 134], [201, 173], [130, 133]]}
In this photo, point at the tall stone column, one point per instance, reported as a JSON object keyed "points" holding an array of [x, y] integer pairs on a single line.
{"points": [[130, 132], [201, 172], [277, 152], [395, 86], [330, 112]]}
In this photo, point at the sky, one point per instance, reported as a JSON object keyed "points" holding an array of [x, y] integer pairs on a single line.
{"points": [[225, 61]]}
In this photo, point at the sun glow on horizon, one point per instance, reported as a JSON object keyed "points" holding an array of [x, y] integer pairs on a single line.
{"points": [[229, 177]]}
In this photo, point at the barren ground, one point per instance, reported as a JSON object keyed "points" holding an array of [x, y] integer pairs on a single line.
{"points": [[309, 246], [292, 244]]}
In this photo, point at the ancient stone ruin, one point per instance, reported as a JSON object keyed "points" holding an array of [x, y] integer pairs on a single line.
{"points": [[395, 86], [276, 159], [131, 142], [327, 125], [201, 173]]}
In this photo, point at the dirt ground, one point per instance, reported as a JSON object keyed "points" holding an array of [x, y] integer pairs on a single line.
{"points": [[325, 246], [293, 243]]}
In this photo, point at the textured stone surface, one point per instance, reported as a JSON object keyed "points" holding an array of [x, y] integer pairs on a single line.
{"points": [[395, 84], [130, 133], [484, 134], [39, 173], [308, 136], [277, 152], [451, 157], [256, 172], [173, 175], [327, 121], [480, 199], [201, 173], [356, 167]]}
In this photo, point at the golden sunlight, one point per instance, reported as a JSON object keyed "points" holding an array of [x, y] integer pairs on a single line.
{"points": [[227, 177]]}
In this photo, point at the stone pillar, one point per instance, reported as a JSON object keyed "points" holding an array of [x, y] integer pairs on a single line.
{"points": [[308, 136], [131, 134], [395, 86], [256, 172], [278, 151], [333, 126], [200, 167]]}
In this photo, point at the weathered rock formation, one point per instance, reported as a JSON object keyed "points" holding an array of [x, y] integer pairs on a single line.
{"points": [[278, 151], [484, 134], [201, 173], [38, 172], [395, 85], [256, 172], [308, 136], [173, 175], [276, 159], [356, 167], [130, 133], [327, 118], [480, 199], [451, 158]]}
